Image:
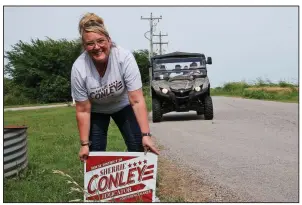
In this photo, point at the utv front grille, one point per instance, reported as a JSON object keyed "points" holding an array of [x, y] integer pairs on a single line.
{"points": [[181, 93]]}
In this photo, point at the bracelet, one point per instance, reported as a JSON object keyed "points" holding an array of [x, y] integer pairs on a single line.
{"points": [[84, 143], [146, 134]]}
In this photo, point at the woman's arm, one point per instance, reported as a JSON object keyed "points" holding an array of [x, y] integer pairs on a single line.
{"points": [[83, 120], [133, 81], [83, 108], [138, 103]]}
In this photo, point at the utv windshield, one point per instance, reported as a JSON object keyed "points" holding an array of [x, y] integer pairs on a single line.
{"points": [[169, 68]]}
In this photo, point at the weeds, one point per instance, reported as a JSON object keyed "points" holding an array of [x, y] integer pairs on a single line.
{"points": [[75, 186]]}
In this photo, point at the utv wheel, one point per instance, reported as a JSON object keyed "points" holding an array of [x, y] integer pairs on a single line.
{"points": [[156, 110], [208, 108]]}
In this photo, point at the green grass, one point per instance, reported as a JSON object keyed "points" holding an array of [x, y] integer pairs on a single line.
{"points": [[53, 144], [282, 91]]}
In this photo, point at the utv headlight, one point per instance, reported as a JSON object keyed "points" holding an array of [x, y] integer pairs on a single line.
{"points": [[197, 88], [164, 90]]}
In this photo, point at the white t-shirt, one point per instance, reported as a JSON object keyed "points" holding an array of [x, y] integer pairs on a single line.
{"points": [[108, 94]]}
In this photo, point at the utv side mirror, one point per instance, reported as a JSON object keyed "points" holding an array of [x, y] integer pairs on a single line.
{"points": [[209, 61]]}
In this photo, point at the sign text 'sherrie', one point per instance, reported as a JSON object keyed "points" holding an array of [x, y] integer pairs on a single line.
{"points": [[120, 177]]}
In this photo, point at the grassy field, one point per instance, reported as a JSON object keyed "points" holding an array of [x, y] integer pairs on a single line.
{"points": [[53, 144], [262, 90]]}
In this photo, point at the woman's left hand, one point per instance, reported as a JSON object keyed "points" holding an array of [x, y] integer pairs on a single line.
{"points": [[148, 145]]}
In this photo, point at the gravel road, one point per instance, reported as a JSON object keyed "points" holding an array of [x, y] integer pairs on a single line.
{"points": [[248, 153]]}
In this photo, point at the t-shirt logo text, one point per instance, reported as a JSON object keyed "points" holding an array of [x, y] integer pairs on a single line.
{"points": [[107, 90]]}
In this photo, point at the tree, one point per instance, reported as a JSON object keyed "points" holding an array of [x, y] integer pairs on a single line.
{"points": [[42, 68], [142, 59], [7, 85]]}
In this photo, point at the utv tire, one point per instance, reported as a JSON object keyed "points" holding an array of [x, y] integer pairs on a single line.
{"points": [[208, 108], [156, 110], [199, 113]]}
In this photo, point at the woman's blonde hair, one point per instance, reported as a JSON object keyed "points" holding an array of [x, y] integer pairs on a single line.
{"points": [[90, 22]]}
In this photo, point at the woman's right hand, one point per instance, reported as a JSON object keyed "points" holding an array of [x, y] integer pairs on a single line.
{"points": [[84, 152]]}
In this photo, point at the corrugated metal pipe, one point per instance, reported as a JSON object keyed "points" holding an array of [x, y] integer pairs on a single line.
{"points": [[14, 149]]}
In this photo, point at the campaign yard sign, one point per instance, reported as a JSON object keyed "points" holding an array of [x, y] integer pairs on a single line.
{"points": [[120, 177]]}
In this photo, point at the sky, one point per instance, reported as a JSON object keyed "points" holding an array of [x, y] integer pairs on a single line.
{"points": [[245, 43]]}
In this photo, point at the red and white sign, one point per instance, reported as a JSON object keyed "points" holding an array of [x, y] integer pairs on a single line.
{"points": [[120, 177]]}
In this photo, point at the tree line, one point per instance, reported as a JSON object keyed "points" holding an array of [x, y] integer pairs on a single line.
{"points": [[39, 71]]}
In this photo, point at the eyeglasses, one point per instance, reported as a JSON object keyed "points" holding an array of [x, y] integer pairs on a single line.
{"points": [[92, 44]]}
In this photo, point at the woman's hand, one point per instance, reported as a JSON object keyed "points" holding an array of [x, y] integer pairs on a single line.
{"points": [[148, 145], [84, 153]]}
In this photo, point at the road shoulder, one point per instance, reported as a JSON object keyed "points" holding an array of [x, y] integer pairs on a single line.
{"points": [[178, 183]]}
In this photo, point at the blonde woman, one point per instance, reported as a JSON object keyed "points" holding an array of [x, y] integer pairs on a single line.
{"points": [[106, 83]]}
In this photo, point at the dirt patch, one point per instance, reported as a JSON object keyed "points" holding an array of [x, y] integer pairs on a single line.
{"points": [[175, 186], [274, 89]]}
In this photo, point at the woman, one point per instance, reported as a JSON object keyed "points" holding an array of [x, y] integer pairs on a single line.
{"points": [[106, 82]]}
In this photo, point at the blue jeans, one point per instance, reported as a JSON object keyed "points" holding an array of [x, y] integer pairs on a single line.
{"points": [[125, 120]]}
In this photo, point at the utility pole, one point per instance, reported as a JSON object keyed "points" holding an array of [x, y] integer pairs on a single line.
{"points": [[151, 19], [160, 42]]}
